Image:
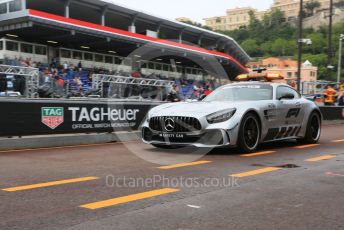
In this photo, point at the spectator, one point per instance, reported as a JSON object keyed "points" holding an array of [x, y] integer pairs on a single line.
{"points": [[80, 66], [47, 76], [78, 83], [292, 84], [330, 95], [173, 96], [341, 100], [136, 74], [65, 67], [207, 90]]}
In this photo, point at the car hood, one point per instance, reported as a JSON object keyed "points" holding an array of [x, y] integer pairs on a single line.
{"points": [[195, 109]]}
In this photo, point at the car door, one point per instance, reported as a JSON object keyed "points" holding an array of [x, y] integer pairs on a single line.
{"points": [[290, 111]]}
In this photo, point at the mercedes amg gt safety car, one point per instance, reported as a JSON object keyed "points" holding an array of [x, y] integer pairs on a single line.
{"points": [[243, 114]]}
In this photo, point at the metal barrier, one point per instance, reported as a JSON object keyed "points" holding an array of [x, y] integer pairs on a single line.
{"points": [[31, 78], [101, 80]]}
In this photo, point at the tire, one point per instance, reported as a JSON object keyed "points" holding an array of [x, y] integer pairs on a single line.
{"points": [[249, 133], [313, 131]]}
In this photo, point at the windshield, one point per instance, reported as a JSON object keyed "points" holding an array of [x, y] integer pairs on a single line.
{"points": [[242, 93]]}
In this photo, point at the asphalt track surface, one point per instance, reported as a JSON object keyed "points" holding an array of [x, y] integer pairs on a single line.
{"points": [[282, 186]]}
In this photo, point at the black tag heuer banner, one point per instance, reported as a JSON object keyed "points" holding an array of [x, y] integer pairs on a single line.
{"points": [[331, 113], [38, 117], [34, 117]]}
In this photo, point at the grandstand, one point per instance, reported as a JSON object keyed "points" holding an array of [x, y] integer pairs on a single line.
{"points": [[96, 48]]}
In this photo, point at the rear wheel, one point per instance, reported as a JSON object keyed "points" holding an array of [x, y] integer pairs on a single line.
{"points": [[249, 133], [313, 131]]}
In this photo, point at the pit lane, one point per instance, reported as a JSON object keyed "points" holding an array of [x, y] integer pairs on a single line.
{"points": [[88, 187]]}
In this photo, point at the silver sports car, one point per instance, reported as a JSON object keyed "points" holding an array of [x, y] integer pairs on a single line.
{"points": [[242, 114]]}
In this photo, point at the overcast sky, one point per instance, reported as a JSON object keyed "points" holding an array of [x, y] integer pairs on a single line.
{"points": [[194, 9]]}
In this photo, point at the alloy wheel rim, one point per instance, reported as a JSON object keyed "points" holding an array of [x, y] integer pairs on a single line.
{"points": [[251, 133], [315, 127]]}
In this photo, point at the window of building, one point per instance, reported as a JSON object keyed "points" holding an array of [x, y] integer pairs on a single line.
{"points": [[108, 59], [41, 50], [66, 54], [166, 67], [88, 56], [150, 65], [179, 69], [158, 67], [77, 55], [15, 5], [99, 58], [118, 60], [3, 8], [26, 48], [289, 74], [1, 45], [12, 46]]}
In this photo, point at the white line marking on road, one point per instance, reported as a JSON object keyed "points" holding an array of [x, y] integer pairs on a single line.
{"points": [[194, 206], [334, 174]]}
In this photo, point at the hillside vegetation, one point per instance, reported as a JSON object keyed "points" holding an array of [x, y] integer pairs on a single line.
{"points": [[273, 37]]}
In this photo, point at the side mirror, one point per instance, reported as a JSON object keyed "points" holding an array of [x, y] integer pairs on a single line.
{"points": [[287, 96], [202, 97]]}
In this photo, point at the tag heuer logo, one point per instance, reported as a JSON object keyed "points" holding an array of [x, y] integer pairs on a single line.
{"points": [[52, 116]]}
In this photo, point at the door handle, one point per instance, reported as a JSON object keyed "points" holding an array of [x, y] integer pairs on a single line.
{"points": [[298, 104]]}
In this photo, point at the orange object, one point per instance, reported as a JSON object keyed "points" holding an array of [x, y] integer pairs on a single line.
{"points": [[330, 96], [259, 76]]}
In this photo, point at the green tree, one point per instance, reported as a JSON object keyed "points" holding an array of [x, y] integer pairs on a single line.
{"points": [[279, 47], [319, 60], [311, 6], [274, 37], [266, 48], [251, 46], [318, 44], [273, 19]]}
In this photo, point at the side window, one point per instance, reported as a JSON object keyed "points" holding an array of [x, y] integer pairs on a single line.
{"points": [[281, 90]]}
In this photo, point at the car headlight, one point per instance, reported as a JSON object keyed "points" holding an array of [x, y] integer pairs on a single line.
{"points": [[221, 116]]}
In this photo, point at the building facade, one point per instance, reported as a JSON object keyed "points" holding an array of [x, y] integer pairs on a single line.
{"points": [[287, 68], [234, 19], [291, 7], [238, 17]]}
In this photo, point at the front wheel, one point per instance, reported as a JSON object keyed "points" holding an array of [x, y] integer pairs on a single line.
{"points": [[249, 133], [313, 131]]}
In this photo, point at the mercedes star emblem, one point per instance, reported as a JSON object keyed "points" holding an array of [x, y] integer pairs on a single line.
{"points": [[169, 124]]}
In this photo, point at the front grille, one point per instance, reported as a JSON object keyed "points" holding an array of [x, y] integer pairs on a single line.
{"points": [[181, 124]]}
